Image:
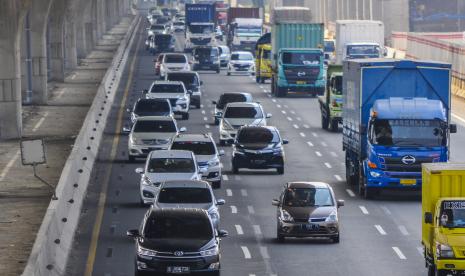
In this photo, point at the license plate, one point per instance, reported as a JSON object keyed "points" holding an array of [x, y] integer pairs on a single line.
{"points": [[258, 161], [301, 82], [408, 182], [177, 269], [312, 227]]}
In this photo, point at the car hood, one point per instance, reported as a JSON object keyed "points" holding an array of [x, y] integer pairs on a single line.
{"points": [[236, 122], [171, 245], [204, 158], [243, 62], [161, 177], [153, 135], [309, 212]]}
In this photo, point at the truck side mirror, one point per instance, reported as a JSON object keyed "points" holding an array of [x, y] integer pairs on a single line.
{"points": [[453, 128], [428, 217]]}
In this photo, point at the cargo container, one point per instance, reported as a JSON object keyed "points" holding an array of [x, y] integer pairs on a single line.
{"points": [[443, 218], [396, 116], [239, 12], [331, 101]]}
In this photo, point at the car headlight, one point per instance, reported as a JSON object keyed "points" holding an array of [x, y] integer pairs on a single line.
{"points": [[214, 162], [444, 251], [286, 217], [226, 126], [141, 251], [332, 217], [181, 100], [210, 252], [135, 141], [375, 174], [214, 215]]}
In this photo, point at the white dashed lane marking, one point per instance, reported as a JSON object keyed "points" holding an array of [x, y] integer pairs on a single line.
{"points": [[229, 192], [246, 252], [364, 210], [328, 165], [239, 229], [399, 253], [350, 192], [318, 153], [233, 209], [380, 229], [251, 209], [338, 177]]}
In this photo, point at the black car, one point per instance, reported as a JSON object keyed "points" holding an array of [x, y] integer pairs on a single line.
{"points": [[150, 107], [192, 83], [229, 97], [258, 147], [206, 58], [162, 43], [177, 241]]}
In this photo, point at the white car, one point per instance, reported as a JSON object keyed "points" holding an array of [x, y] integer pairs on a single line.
{"points": [[241, 62], [224, 55], [228, 97], [175, 92], [157, 29], [151, 133], [189, 194], [208, 156], [178, 26], [240, 114], [174, 62], [165, 165]]}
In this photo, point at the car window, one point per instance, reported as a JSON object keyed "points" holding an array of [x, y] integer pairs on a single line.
{"points": [[230, 98], [155, 126], [171, 165], [184, 195], [175, 59], [183, 227], [242, 56], [243, 112], [143, 107], [308, 197], [257, 135], [198, 148], [157, 27], [167, 88]]}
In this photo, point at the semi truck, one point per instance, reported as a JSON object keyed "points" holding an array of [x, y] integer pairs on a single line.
{"points": [[357, 39], [263, 58], [297, 58], [200, 25], [396, 116], [331, 101], [244, 28], [443, 218]]}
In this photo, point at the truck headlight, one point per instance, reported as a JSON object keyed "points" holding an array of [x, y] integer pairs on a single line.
{"points": [[375, 174], [444, 251], [286, 217]]}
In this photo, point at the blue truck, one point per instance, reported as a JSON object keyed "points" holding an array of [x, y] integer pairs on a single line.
{"points": [[396, 116], [200, 25]]}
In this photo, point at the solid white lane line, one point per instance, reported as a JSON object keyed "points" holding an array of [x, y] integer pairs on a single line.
{"points": [[324, 144], [257, 230], [318, 153], [40, 122], [296, 126], [364, 210], [310, 144], [333, 154], [203, 111], [306, 126], [403, 230], [302, 134], [351, 194], [338, 177], [239, 229], [386, 210], [205, 118], [246, 252], [314, 134], [458, 118], [225, 177], [209, 133], [251, 209], [399, 253], [207, 126], [289, 119], [9, 165], [380, 229], [328, 165], [229, 192], [244, 192], [264, 252], [233, 209], [237, 177], [283, 111]]}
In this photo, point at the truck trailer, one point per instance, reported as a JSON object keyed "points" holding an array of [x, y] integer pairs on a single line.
{"points": [[200, 25]]}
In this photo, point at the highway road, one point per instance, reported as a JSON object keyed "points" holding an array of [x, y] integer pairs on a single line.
{"points": [[378, 237]]}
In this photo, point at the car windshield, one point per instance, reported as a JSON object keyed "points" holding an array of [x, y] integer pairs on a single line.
{"points": [[408, 132], [144, 107], [201, 29], [175, 59], [230, 98], [206, 52], [243, 112], [257, 135], [171, 165], [362, 51], [292, 58], [198, 148], [308, 197], [167, 88], [244, 56], [178, 227], [155, 126], [453, 214], [157, 27], [162, 20], [187, 79], [162, 38], [184, 195]]}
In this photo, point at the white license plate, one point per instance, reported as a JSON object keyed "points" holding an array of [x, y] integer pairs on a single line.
{"points": [[177, 269]]}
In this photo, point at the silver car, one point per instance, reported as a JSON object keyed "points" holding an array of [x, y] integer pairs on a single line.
{"points": [[189, 194]]}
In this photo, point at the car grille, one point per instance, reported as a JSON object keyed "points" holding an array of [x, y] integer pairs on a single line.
{"points": [[200, 41], [396, 164], [242, 66], [294, 74], [301, 220], [193, 263]]}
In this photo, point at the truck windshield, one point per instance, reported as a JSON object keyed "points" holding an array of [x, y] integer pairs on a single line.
{"points": [[408, 132], [329, 46], [201, 29], [301, 58], [453, 214], [363, 51]]}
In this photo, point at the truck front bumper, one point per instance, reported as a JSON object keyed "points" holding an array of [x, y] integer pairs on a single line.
{"points": [[399, 180], [451, 265], [316, 87]]}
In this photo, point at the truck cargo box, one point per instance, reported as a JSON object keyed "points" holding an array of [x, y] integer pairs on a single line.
{"points": [[291, 14], [236, 12], [200, 13]]}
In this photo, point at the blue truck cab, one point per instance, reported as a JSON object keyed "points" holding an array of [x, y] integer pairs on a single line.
{"points": [[396, 116]]}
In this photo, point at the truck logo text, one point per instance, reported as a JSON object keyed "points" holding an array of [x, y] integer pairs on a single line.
{"points": [[408, 160]]}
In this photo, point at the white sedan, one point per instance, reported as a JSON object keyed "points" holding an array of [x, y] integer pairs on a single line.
{"points": [[241, 62]]}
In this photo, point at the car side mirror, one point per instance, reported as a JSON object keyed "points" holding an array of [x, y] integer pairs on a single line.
{"points": [[214, 102], [222, 233], [285, 142], [453, 128], [428, 217], [268, 115], [221, 152], [134, 233], [275, 202], [340, 203], [139, 170], [183, 129], [220, 202]]}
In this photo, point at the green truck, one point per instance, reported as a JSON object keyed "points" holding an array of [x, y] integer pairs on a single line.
{"points": [[331, 101], [296, 52]]}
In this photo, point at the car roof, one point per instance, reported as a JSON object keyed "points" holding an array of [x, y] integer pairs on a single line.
{"points": [[178, 212], [175, 54], [182, 73], [235, 93], [153, 100], [305, 184], [192, 137], [242, 104], [155, 118], [185, 184], [171, 154]]}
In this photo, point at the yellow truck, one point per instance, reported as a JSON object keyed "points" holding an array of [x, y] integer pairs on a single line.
{"points": [[443, 222], [263, 58]]}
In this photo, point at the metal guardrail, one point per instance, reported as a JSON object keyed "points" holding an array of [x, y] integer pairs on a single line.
{"points": [[54, 240]]}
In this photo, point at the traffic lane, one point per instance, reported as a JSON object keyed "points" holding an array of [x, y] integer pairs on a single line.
{"points": [[302, 166]]}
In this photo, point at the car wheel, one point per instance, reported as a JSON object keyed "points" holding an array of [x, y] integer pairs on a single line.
{"points": [[280, 170], [218, 70], [335, 239], [257, 79], [131, 159], [215, 273], [185, 116], [216, 184], [262, 80], [197, 106]]}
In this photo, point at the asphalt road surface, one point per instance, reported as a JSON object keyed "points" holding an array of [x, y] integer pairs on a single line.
{"points": [[378, 237]]}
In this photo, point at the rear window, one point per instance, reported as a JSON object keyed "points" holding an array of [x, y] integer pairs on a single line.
{"points": [[178, 227], [175, 59], [151, 106], [171, 165], [162, 38], [187, 79], [230, 98], [206, 51], [157, 27], [198, 148], [155, 126], [184, 195], [167, 88], [243, 112], [257, 135]]}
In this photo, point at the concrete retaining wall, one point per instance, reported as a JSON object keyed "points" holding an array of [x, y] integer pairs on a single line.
{"points": [[54, 240]]}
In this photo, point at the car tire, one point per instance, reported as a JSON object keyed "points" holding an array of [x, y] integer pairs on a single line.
{"points": [[334, 125], [218, 70], [185, 116], [197, 106], [335, 239], [262, 80], [216, 184], [257, 79], [215, 273], [131, 159], [280, 237], [324, 122], [280, 170], [229, 73]]}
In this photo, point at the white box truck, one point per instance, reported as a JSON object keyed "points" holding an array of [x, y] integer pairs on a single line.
{"points": [[357, 39]]}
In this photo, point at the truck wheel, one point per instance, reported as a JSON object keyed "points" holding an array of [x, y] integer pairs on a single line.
{"points": [[216, 184], [281, 92], [431, 270], [334, 125], [441, 272], [324, 121]]}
